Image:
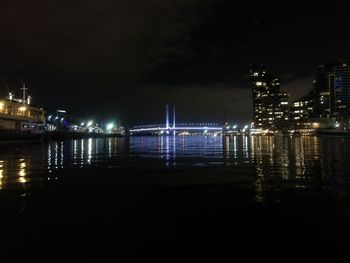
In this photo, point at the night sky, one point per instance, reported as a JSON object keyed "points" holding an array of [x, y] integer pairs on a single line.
{"points": [[124, 59]]}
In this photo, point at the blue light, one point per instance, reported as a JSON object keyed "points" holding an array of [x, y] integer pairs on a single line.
{"points": [[338, 84]]}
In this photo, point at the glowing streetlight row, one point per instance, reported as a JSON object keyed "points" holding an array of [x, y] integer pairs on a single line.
{"points": [[236, 126]]}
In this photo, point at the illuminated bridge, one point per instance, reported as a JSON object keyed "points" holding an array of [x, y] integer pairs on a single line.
{"points": [[177, 128]]}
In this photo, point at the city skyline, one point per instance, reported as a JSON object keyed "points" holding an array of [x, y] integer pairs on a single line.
{"points": [[259, 74], [194, 54]]}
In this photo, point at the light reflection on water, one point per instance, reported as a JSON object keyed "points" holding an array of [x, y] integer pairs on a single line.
{"points": [[277, 162]]}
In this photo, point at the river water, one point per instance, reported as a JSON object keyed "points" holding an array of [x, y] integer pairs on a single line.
{"points": [[277, 162], [98, 198]]}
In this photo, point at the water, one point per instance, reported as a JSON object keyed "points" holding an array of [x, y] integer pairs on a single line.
{"points": [[66, 198], [277, 162]]}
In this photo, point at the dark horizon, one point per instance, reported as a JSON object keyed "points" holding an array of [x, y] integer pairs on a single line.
{"points": [[125, 61]]}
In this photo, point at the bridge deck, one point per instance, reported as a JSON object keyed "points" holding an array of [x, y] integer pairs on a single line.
{"points": [[190, 128]]}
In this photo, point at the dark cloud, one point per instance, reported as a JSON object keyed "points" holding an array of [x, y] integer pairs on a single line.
{"points": [[125, 38]]}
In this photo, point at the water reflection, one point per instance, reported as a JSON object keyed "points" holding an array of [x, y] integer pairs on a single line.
{"points": [[1, 173], [277, 162], [22, 171]]}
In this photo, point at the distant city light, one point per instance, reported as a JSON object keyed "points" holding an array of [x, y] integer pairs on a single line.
{"points": [[110, 126], [89, 123], [62, 111], [316, 125]]}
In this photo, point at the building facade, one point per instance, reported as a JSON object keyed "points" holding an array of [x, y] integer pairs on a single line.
{"points": [[303, 108], [270, 105], [329, 99], [332, 90]]}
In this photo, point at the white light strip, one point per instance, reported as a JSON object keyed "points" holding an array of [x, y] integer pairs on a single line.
{"points": [[178, 128]]}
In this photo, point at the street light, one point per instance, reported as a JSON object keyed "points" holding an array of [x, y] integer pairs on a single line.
{"points": [[89, 123]]}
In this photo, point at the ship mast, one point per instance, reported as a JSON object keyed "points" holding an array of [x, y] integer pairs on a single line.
{"points": [[24, 92]]}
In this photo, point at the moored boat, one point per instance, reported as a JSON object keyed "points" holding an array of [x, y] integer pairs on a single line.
{"points": [[19, 120]]}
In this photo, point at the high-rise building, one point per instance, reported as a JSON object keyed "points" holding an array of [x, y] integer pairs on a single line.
{"points": [[332, 91], [271, 107], [303, 108], [302, 113]]}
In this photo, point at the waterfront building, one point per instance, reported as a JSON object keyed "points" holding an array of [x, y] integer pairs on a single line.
{"points": [[270, 105], [303, 108], [302, 113], [332, 91], [329, 99]]}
